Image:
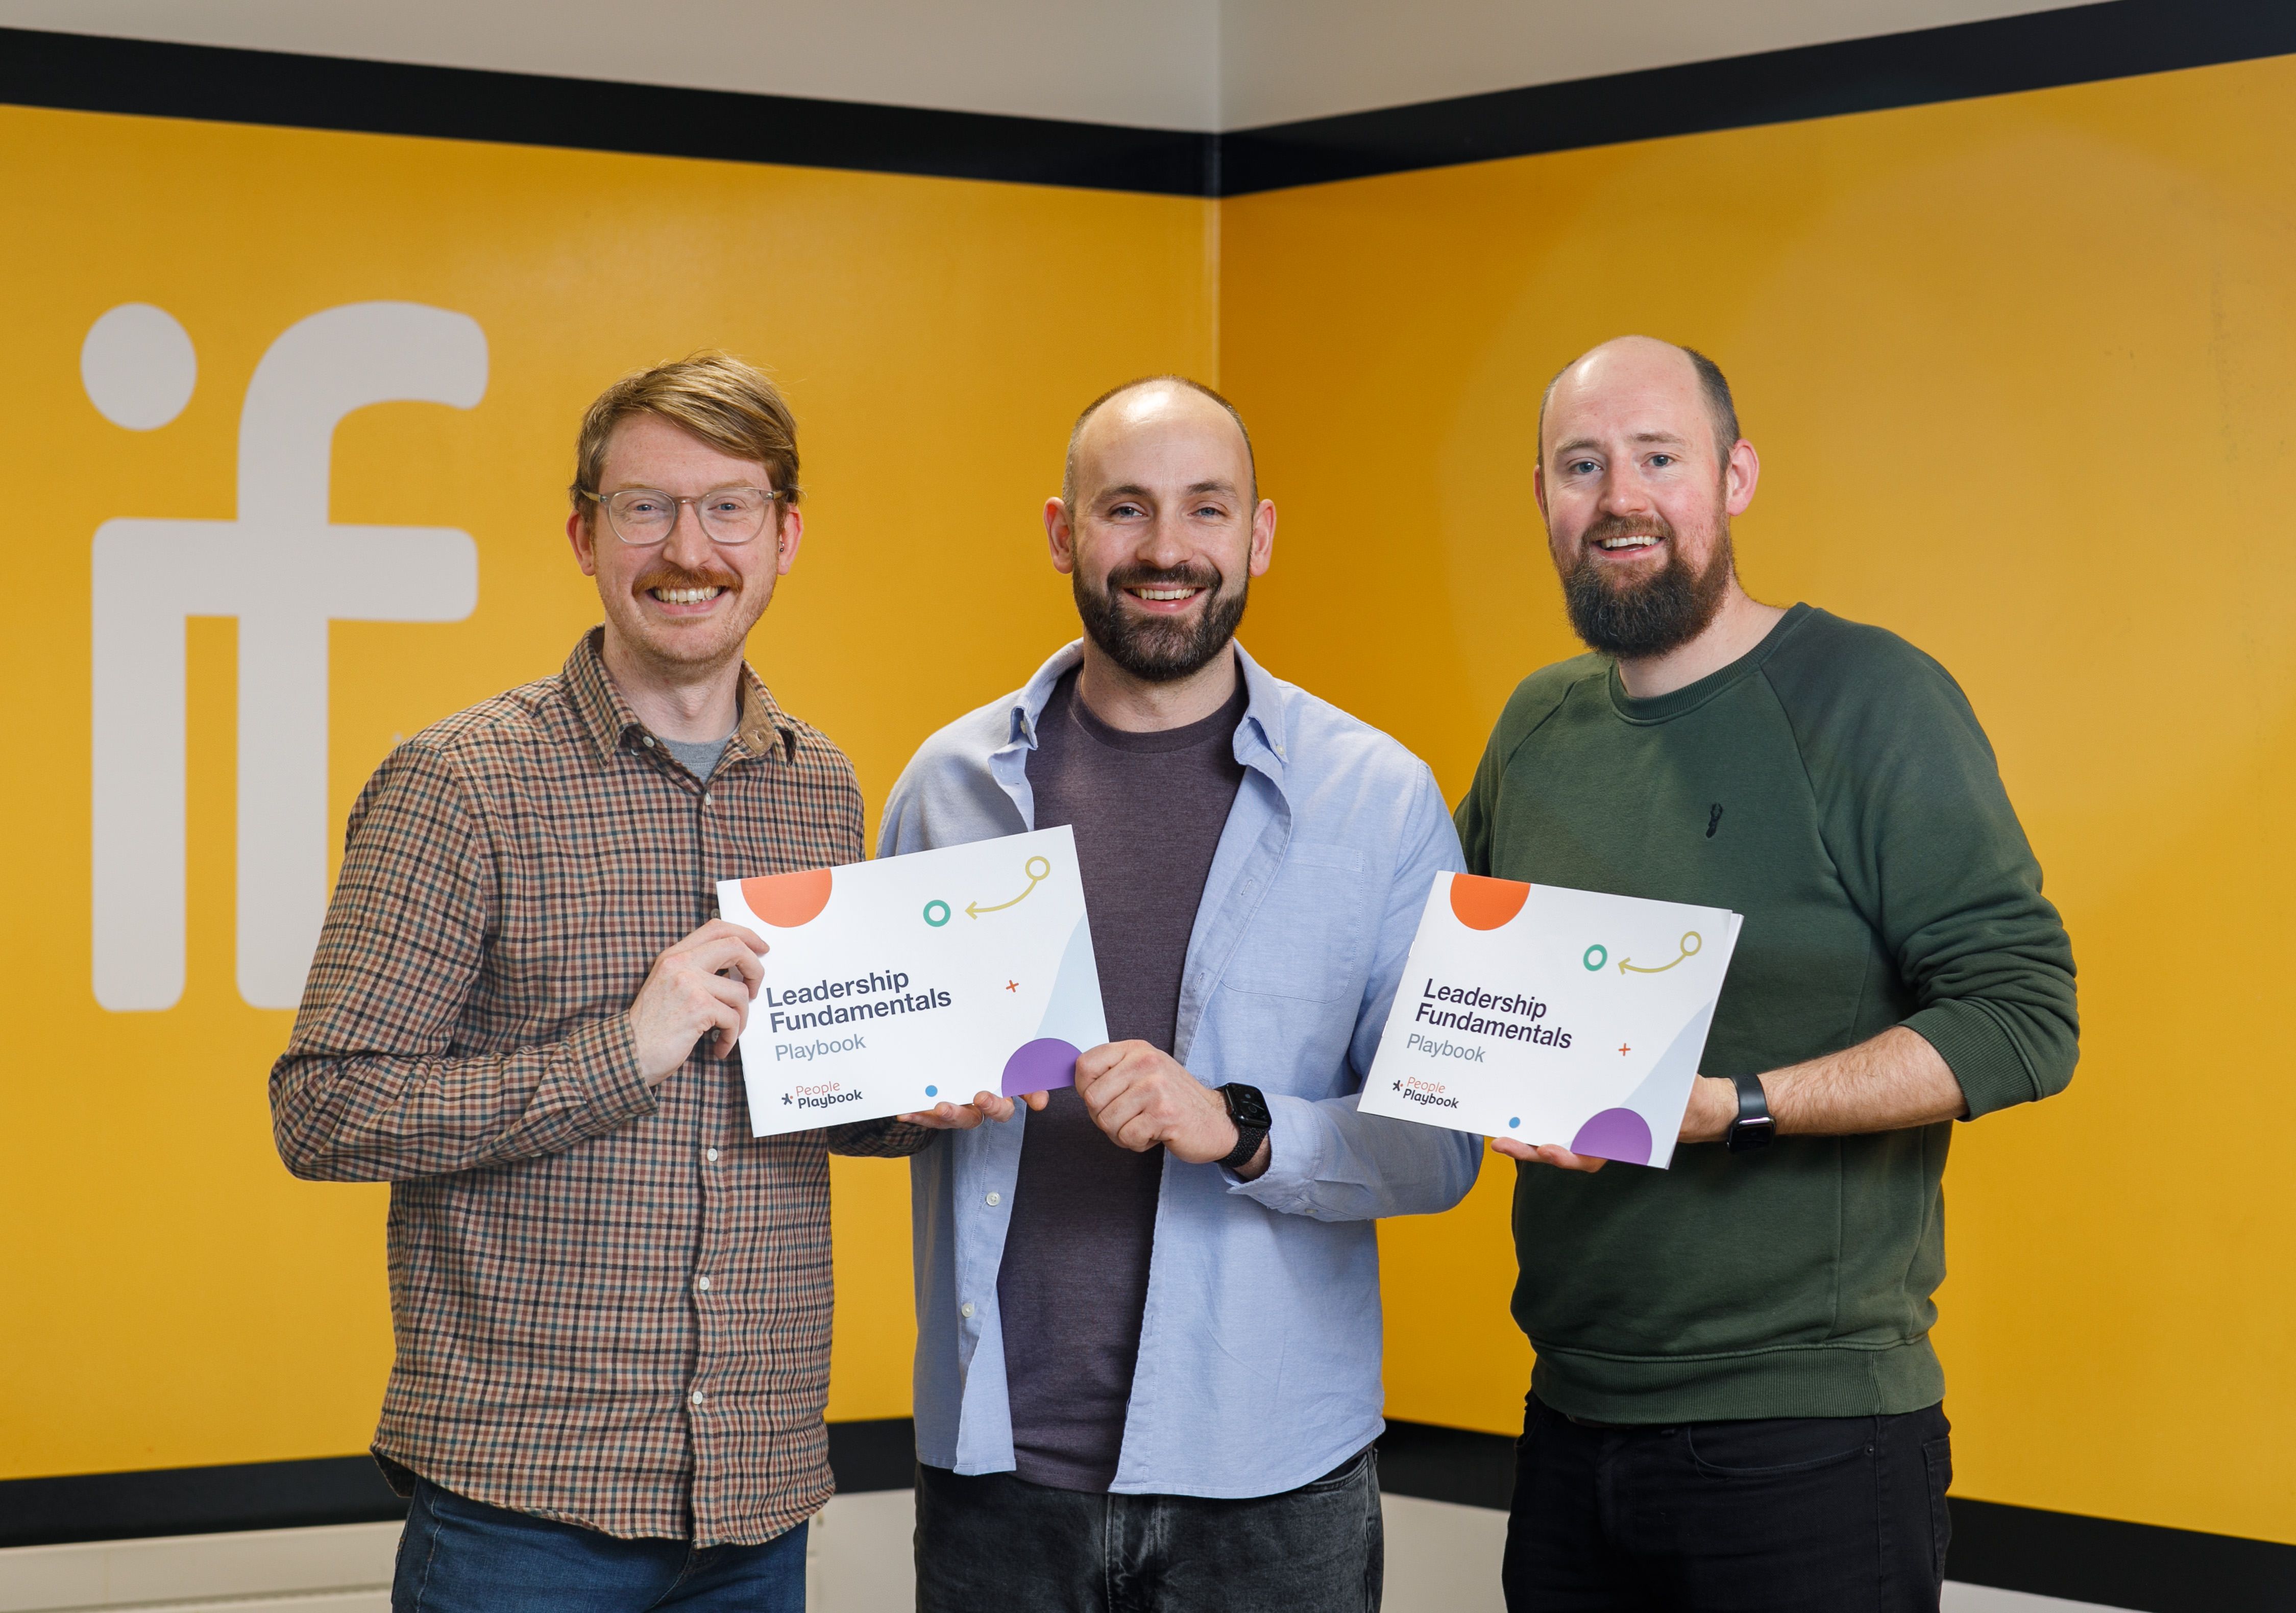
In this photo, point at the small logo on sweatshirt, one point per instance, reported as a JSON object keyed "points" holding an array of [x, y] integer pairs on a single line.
{"points": [[1713, 820]]}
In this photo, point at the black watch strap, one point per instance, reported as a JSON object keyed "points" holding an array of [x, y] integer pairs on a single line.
{"points": [[1754, 1126], [1248, 1108]]}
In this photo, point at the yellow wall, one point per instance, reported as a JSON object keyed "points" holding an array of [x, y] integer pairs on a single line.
{"points": [[2023, 372], [172, 1296]]}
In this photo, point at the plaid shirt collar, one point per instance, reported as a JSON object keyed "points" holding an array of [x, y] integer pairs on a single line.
{"points": [[764, 730]]}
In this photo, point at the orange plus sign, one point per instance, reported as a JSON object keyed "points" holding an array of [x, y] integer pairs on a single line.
{"points": [[1011, 985], [1624, 1051]]}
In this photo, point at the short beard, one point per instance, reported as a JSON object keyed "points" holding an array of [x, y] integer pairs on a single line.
{"points": [[1159, 651], [1649, 617]]}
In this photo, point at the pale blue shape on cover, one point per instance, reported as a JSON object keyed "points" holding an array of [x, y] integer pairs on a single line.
{"points": [[1075, 1014], [1670, 1078]]}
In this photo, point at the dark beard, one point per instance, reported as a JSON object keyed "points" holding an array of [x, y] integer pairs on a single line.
{"points": [[1649, 617], [1157, 650]]}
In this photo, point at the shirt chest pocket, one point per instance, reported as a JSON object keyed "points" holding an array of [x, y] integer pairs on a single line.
{"points": [[1306, 939]]}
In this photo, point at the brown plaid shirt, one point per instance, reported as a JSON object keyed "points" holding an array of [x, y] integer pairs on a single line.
{"points": [[611, 1305]]}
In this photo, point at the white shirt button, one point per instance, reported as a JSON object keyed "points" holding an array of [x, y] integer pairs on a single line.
{"points": [[703, 1283], [697, 1398], [646, 740], [994, 1200], [710, 1154], [707, 800], [965, 1310]]}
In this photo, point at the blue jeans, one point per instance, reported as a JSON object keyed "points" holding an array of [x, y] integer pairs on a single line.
{"points": [[463, 1556]]}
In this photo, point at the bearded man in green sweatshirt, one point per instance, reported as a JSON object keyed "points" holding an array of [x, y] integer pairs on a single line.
{"points": [[1735, 1405]]}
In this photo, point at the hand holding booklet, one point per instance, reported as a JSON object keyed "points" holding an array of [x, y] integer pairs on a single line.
{"points": [[893, 986], [1552, 1015]]}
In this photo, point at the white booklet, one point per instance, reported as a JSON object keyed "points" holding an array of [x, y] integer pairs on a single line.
{"points": [[1552, 1015], [895, 985]]}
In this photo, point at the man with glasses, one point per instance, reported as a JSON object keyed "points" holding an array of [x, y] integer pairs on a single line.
{"points": [[612, 1304], [1148, 1353]]}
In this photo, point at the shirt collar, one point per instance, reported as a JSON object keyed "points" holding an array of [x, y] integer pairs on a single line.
{"points": [[763, 729], [1259, 738]]}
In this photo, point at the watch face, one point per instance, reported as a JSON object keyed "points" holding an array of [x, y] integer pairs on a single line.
{"points": [[1246, 1107], [1747, 1135]]}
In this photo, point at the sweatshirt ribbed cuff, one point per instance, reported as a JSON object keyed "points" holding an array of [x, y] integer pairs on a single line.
{"points": [[1979, 1052]]}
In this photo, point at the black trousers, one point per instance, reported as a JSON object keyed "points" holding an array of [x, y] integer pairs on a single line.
{"points": [[1786, 1515], [995, 1544]]}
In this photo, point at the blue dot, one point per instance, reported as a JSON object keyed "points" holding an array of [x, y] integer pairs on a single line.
{"points": [[933, 1092], [1512, 1120]]}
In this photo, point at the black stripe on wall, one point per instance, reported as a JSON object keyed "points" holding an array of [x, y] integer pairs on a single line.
{"points": [[79, 72], [2041, 51], [2094, 1560], [2120, 1565], [873, 1455], [2119, 38], [195, 1501]]}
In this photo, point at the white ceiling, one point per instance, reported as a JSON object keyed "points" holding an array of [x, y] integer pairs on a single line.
{"points": [[1283, 60], [1190, 64]]}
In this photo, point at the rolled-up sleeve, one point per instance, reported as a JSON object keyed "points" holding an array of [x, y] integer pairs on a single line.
{"points": [[1921, 827]]}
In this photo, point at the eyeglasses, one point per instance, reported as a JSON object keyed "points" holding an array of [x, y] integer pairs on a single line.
{"points": [[641, 516]]}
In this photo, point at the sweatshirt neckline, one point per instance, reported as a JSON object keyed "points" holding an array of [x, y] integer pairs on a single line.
{"points": [[1690, 697]]}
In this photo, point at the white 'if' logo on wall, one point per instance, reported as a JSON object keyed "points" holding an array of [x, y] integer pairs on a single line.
{"points": [[285, 571]]}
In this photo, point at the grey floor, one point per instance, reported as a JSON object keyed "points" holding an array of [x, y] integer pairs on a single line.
{"points": [[1440, 1559]]}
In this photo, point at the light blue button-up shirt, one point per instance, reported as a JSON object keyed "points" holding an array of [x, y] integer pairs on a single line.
{"points": [[1259, 1345]]}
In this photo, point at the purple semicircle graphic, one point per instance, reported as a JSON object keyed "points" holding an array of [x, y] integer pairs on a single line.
{"points": [[1615, 1134], [1041, 1066]]}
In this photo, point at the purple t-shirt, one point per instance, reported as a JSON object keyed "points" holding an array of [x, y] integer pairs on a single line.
{"points": [[1147, 810]]}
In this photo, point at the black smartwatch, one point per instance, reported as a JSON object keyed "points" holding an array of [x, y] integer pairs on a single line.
{"points": [[1249, 1110], [1754, 1126]]}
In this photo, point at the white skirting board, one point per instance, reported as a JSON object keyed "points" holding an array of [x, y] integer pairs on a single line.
{"points": [[1440, 1559]]}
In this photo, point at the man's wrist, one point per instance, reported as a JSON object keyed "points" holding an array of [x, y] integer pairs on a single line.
{"points": [[1713, 1110]]}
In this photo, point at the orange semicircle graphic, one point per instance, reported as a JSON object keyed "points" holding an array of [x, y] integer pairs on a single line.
{"points": [[1482, 904], [787, 900]]}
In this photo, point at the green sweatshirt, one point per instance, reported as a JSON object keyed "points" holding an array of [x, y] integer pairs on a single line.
{"points": [[1833, 786]]}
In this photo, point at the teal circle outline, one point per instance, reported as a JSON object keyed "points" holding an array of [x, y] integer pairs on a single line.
{"points": [[1595, 957], [945, 915]]}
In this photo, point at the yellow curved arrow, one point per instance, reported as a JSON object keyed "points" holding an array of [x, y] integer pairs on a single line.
{"points": [[1036, 868], [1691, 943]]}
